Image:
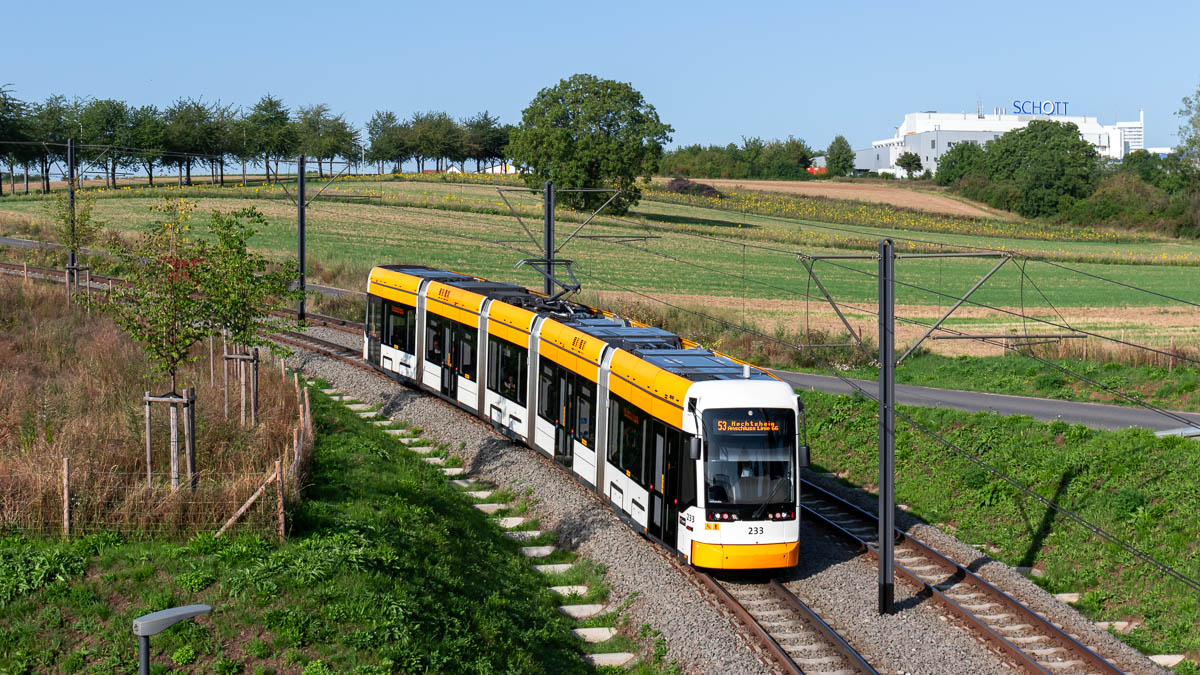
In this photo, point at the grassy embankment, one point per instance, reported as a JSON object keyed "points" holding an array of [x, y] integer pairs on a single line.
{"points": [[388, 568], [1127, 482], [71, 385]]}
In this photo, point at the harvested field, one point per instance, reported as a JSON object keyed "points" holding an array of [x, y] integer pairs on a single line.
{"points": [[896, 195]]}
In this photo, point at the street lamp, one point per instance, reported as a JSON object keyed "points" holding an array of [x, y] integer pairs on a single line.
{"points": [[156, 622]]}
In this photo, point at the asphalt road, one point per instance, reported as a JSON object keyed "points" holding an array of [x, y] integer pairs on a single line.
{"points": [[1094, 415]]}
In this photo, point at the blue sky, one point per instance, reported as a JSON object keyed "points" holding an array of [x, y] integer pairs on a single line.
{"points": [[716, 71]]}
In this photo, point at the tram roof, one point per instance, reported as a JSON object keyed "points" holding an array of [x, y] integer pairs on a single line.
{"points": [[657, 346]]}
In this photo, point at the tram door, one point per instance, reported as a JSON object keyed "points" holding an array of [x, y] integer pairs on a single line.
{"points": [[442, 350], [671, 480], [374, 328], [563, 431], [657, 462]]}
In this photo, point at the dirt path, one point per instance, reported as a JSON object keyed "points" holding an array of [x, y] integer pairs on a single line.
{"points": [[883, 194]]}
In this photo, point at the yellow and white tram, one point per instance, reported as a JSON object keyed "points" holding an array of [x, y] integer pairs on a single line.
{"points": [[690, 447]]}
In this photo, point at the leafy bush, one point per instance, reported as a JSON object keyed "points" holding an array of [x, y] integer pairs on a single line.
{"points": [[317, 667], [185, 655], [195, 581]]}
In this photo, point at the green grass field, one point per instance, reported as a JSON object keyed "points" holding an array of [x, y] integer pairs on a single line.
{"points": [[1126, 482], [452, 224], [389, 569]]}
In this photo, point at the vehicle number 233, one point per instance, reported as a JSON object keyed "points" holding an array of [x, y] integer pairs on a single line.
{"points": [[756, 530]]}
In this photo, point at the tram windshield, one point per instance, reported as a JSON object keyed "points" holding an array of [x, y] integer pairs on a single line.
{"points": [[751, 455]]}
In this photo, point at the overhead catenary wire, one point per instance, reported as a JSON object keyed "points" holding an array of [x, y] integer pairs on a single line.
{"points": [[974, 458], [1107, 536]]}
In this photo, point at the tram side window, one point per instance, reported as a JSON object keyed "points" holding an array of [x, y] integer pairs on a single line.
{"points": [[508, 369], [374, 317], [466, 350], [435, 349], [687, 475], [400, 327], [586, 403], [631, 435], [548, 393]]}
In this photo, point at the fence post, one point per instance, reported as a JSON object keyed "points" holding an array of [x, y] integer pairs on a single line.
{"points": [[279, 500], [212, 365], [1171, 358], [308, 423], [149, 453], [66, 497]]}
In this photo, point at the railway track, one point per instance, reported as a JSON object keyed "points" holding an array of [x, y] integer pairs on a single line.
{"points": [[794, 635], [790, 632], [1031, 642]]}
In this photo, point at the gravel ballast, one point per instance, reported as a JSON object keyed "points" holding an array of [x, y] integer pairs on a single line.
{"points": [[834, 579]]}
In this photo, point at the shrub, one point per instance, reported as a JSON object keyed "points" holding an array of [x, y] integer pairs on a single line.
{"points": [[185, 655], [317, 667]]}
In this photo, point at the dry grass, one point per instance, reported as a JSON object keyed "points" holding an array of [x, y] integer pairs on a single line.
{"points": [[71, 386]]}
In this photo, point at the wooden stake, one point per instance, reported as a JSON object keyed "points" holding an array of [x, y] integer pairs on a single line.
{"points": [[149, 474], [241, 366], [279, 501], [296, 448], [1171, 358], [189, 435], [174, 447], [25, 266], [66, 497], [225, 374], [212, 365], [254, 389]]}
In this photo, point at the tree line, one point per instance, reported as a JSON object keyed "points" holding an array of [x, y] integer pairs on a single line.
{"points": [[788, 159], [114, 136], [1046, 170]]}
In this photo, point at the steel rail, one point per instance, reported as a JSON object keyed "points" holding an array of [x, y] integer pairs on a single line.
{"points": [[768, 643], [835, 641], [1049, 641]]}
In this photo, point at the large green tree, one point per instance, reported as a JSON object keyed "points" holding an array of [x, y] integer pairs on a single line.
{"points": [[1051, 165], [107, 125], [484, 139], [12, 128], [839, 158], [189, 128], [962, 159], [274, 135], [54, 122], [586, 132], [1189, 128], [146, 129], [910, 162]]}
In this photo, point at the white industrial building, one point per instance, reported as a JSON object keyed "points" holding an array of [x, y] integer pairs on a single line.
{"points": [[931, 134]]}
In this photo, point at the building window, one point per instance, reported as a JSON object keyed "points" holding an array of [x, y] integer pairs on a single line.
{"points": [[932, 144]]}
